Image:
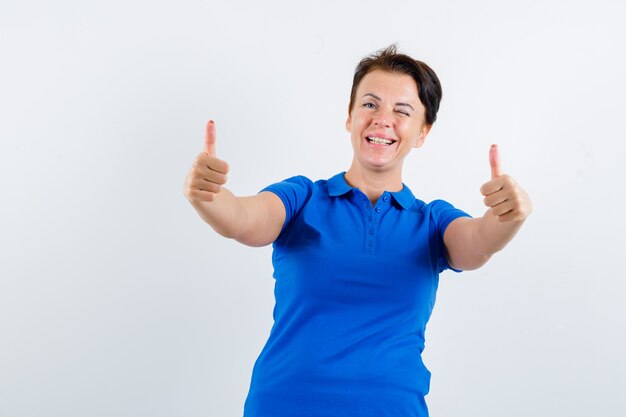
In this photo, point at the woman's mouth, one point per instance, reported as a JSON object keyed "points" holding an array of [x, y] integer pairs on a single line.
{"points": [[375, 140]]}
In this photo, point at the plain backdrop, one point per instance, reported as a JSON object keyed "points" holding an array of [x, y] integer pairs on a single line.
{"points": [[116, 299]]}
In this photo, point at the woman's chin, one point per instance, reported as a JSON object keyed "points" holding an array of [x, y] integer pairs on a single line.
{"points": [[376, 164]]}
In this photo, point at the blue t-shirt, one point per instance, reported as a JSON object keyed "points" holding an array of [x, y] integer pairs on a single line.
{"points": [[355, 287]]}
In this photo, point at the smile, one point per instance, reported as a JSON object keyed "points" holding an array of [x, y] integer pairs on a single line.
{"points": [[379, 141]]}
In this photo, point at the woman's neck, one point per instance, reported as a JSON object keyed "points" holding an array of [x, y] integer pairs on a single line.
{"points": [[373, 184]]}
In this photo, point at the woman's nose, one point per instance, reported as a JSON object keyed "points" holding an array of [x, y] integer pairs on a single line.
{"points": [[383, 118], [382, 121]]}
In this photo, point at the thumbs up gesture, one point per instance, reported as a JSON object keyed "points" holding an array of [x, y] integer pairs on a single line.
{"points": [[208, 173], [504, 197]]}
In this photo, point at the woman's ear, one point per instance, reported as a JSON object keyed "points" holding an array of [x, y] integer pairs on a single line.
{"points": [[349, 120], [422, 137]]}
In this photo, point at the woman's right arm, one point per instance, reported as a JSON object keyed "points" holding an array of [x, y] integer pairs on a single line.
{"points": [[254, 221]]}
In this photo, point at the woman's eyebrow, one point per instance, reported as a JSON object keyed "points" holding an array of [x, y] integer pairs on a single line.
{"points": [[372, 95], [379, 99]]}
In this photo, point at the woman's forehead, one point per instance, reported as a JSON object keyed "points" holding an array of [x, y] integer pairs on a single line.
{"points": [[386, 84]]}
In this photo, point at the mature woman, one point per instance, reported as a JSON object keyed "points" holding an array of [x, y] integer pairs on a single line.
{"points": [[357, 257]]}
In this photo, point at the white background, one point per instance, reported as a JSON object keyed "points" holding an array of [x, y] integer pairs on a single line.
{"points": [[117, 300]]}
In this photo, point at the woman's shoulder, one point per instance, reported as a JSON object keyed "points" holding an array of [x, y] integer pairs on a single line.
{"points": [[433, 206], [307, 182]]}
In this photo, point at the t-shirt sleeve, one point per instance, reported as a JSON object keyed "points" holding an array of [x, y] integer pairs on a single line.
{"points": [[442, 214], [294, 192]]}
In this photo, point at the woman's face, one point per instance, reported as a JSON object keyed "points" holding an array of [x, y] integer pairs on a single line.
{"points": [[386, 120]]}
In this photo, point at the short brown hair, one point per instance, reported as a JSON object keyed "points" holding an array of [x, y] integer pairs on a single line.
{"points": [[387, 59]]}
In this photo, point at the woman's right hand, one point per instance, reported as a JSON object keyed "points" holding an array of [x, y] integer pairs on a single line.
{"points": [[254, 221], [208, 173]]}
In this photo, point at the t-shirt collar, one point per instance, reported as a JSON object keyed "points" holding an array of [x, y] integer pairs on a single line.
{"points": [[337, 185]]}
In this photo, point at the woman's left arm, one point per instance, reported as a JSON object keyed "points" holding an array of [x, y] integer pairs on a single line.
{"points": [[471, 242]]}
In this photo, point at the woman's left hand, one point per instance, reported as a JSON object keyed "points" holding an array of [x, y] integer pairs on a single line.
{"points": [[504, 197]]}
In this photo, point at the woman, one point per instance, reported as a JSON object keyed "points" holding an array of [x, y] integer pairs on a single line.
{"points": [[357, 257]]}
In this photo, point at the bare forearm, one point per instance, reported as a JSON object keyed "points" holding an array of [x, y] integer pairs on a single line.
{"points": [[492, 235], [224, 214]]}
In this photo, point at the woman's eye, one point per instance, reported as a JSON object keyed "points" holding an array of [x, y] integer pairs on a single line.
{"points": [[403, 112], [369, 105]]}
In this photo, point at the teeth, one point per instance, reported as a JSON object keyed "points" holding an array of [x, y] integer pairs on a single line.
{"points": [[379, 140]]}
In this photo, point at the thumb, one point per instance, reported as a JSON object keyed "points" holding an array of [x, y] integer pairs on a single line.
{"points": [[494, 161], [209, 138]]}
